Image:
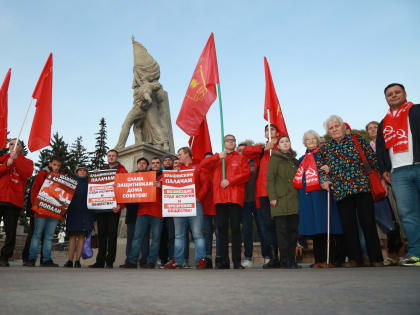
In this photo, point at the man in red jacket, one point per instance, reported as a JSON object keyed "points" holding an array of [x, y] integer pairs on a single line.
{"points": [[44, 227], [108, 222], [149, 217], [261, 156], [228, 195], [15, 169]]}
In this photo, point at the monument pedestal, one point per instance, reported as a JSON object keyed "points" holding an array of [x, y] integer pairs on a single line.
{"points": [[129, 155]]}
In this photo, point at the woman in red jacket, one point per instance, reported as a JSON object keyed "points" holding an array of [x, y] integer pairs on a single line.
{"points": [[228, 195]]}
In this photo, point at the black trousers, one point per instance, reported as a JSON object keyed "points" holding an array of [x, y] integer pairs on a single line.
{"points": [[167, 240], [229, 214], [10, 216], [287, 232], [362, 205], [320, 248], [269, 226], [107, 237]]}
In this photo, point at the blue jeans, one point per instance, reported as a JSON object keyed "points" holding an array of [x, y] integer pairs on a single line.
{"points": [[209, 227], [250, 212], [47, 227], [196, 225], [406, 187], [143, 224], [131, 227]]}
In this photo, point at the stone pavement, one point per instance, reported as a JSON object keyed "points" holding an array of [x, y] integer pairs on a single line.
{"points": [[390, 290]]}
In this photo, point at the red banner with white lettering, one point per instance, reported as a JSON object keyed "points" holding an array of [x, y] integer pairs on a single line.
{"points": [[135, 187]]}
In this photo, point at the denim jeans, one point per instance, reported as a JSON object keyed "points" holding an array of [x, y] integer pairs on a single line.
{"points": [[210, 227], [142, 225], [196, 225], [406, 187], [250, 212], [131, 227], [46, 227]]}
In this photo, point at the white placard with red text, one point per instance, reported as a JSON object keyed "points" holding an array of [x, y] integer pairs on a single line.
{"points": [[178, 194]]}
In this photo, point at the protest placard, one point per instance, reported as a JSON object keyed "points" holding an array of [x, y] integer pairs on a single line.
{"points": [[55, 196], [101, 190], [178, 194], [135, 187]]}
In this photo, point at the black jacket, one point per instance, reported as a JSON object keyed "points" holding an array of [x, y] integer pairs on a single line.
{"points": [[382, 154]]}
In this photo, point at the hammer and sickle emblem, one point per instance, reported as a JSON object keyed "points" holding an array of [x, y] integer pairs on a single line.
{"points": [[388, 130], [310, 172], [401, 134]]}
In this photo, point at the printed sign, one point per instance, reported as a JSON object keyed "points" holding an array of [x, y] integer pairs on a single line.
{"points": [[178, 194], [101, 190], [135, 187], [55, 196]]}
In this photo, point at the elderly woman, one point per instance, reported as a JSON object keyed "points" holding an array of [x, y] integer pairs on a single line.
{"points": [[313, 202], [79, 219], [351, 189]]}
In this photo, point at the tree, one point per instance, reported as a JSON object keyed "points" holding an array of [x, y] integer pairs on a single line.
{"points": [[98, 156], [59, 148], [78, 155]]}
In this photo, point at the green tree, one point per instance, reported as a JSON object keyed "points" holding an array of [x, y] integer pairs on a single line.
{"points": [[78, 155], [59, 148], [98, 156]]}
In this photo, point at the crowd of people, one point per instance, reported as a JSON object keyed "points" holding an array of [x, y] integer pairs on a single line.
{"points": [[325, 196]]}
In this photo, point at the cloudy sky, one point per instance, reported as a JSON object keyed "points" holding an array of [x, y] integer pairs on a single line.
{"points": [[326, 57]]}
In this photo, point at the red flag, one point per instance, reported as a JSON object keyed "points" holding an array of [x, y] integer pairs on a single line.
{"points": [[41, 126], [201, 143], [272, 102], [201, 91], [3, 110]]}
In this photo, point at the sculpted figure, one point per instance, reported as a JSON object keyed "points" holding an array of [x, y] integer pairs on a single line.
{"points": [[149, 116]]}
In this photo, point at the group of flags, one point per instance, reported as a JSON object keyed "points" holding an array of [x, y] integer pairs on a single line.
{"points": [[40, 134], [202, 91], [201, 94]]}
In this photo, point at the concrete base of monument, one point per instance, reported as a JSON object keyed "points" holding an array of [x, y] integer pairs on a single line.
{"points": [[129, 155]]}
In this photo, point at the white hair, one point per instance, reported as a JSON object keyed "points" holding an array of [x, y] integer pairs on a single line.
{"points": [[311, 133], [334, 118]]}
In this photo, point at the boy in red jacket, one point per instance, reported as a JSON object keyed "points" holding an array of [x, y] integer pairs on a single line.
{"points": [[15, 169], [43, 225], [228, 195]]}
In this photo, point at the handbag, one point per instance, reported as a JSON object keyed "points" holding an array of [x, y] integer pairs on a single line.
{"points": [[376, 188], [87, 251]]}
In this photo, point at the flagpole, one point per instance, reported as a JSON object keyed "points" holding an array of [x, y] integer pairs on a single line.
{"points": [[269, 127], [23, 123], [192, 142], [222, 129]]}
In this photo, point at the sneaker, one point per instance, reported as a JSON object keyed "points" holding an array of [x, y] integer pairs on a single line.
{"points": [[129, 265], [272, 263], [172, 265], [29, 263], [77, 264], [412, 262], [68, 264], [403, 260], [266, 260], [49, 263], [238, 266], [202, 264], [390, 262], [96, 265], [247, 263]]}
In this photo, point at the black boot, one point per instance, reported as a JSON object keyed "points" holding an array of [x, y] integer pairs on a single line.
{"points": [[77, 264], [68, 264]]}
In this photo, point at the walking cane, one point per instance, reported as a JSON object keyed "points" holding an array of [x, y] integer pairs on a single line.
{"points": [[328, 228]]}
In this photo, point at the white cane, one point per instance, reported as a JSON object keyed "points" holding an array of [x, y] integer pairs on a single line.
{"points": [[328, 227]]}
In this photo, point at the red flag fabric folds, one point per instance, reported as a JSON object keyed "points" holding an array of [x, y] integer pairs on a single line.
{"points": [[201, 143], [201, 91], [4, 109], [41, 126], [272, 102]]}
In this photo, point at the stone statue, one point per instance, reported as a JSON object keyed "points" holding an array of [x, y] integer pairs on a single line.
{"points": [[149, 116]]}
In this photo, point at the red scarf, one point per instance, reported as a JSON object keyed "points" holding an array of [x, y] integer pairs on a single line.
{"points": [[307, 167], [395, 128]]}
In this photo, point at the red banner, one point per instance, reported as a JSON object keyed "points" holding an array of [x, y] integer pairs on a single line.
{"points": [[135, 187]]}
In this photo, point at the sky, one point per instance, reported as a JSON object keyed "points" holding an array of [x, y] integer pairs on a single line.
{"points": [[326, 57]]}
